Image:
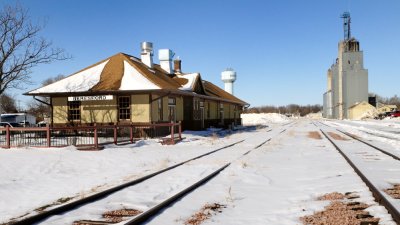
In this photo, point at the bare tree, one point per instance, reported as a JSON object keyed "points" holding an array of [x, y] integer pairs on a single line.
{"points": [[39, 109], [21, 48], [7, 104], [289, 109], [53, 79]]}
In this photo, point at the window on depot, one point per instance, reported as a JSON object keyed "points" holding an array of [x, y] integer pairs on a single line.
{"points": [[74, 111], [160, 109], [124, 108]]}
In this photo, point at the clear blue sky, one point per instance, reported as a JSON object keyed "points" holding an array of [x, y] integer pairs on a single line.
{"points": [[280, 49]]}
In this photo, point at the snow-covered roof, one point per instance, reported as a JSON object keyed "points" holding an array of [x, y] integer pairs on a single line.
{"points": [[78, 82], [123, 72], [134, 80], [191, 80]]}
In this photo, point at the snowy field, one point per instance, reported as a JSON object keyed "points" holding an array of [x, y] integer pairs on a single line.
{"points": [[276, 184]]}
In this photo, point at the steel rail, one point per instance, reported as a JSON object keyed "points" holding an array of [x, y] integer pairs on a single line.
{"points": [[143, 217], [370, 145], [72, 205], [379, 197], [69, 206]]}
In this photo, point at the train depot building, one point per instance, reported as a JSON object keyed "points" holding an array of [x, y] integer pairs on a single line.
{"points": [[123, 89]]}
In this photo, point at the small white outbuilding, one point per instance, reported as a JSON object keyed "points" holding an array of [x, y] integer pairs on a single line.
{"points": [[22, 118]]}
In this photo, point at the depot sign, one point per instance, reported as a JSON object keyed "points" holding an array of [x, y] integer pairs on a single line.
{"points": [[90, 98]]}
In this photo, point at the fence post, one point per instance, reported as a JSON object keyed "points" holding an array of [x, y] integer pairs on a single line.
{"points": [[8, 136], [48, 135], [131, 133], [96, 139], [115, 134], [172, 132], [180, 130]]}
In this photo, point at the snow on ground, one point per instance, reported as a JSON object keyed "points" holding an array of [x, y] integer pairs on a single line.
{"points": [[382, 170], [31, 178], [382, 133], [147, 194], [276, 184], [251, 119]]}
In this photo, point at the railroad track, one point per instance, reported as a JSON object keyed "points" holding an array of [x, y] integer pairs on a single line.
{"points": [[367, 143], [156, 209], [384, 199], [382, 134], [138, 219]]}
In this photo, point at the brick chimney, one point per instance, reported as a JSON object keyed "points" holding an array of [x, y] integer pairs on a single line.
{"points": [[177, 65]]}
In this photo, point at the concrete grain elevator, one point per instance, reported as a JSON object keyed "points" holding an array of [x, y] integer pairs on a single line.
{"points": [[347, 80]]}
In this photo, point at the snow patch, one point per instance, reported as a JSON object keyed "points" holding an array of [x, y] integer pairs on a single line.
{"points": [[134, 80], [252, 119], [191, 79], [81, 81]]}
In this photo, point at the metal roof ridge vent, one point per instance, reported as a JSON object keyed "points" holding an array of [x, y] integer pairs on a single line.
{"points": [[147, 54], [165, 56], [134, 59]]}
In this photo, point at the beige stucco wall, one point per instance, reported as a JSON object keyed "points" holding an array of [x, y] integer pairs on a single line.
{"points": [[140, 108], [228, 111], [179, 109], [231, 111], [60, 110], [154, 108], [91, 111], [213, 110], [99, 111]]}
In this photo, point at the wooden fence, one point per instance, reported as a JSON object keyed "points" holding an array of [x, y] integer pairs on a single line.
{"points": [[89, 137]]}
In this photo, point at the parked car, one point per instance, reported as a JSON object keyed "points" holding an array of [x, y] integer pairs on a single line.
{"points": [[42, 124], [24, 124], [4, 124], [395, 114]]}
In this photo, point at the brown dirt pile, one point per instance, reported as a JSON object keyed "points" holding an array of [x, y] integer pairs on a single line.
{"points": [[339, 212], [314, 135], [332, 196], [205, 213], [337, 136], [111, 217], [117, 216], [394, 192]]}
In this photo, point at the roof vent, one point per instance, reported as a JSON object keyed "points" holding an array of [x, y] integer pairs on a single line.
{"points": [[147, 53], [165, 56]]}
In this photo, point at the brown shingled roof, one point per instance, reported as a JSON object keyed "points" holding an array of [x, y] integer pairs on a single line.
{"points": [[110, 78], [213, 90], [113, 71], [155, 74]]}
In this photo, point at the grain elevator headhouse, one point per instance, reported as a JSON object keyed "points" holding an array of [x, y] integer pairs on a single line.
{"points": [[347, 80]]}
